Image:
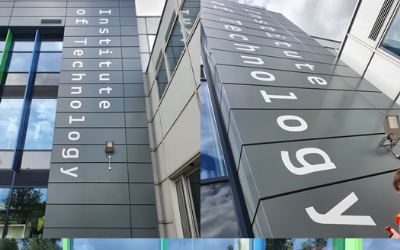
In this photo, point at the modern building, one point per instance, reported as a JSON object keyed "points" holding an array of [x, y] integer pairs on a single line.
{"points": [[297, 132], [172, 81], [371, 45], [76, 155]]}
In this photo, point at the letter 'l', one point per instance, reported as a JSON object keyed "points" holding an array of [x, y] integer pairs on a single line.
{"points": [[335, 217]]}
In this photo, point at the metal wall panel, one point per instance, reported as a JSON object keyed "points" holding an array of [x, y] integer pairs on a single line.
{"points": [[304, 129], [101, 98]]}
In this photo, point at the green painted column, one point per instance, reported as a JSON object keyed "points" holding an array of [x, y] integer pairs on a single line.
{"points": [[4, 57], [353, 244], [164, 244], [339, 244], [67, 244]]}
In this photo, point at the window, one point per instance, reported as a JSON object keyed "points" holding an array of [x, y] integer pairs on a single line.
{"points": [[16, 79], [120, 244], [51, 46], [26, 217], [190, 10], [391, 41], [20, 62], [23, 46], [10, 112], [162, 78], [188, 193], [47, 79], [174, 48], [41, 124], [49, 62], [4, 192]]}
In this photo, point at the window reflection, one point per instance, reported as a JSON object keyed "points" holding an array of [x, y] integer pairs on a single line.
{"points": [[212, 158], [23, 46], [391, 42], [10, 112], [194, 184], [51, 46], [120, 244], [47, 79], [26, 218], [4, 193], [41, 124], [16, 79], [174, 48], [218, 217], [20, 62], [162, 79], [190, 11], [49, 62]]}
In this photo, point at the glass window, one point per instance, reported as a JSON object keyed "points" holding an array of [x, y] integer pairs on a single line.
{"points": [[194, 187], [152, 24], [49, 62], [26, 217], [47, 79], [174, 48], [23, 46], [51, 46], [4, 193], [152, 39], [190, 11], [218, 216], [120, 244], [20, 62], [212, 158], [162, 78], [41, 124], [10, 112], [16, 79], [183, 208], [391, 41]]}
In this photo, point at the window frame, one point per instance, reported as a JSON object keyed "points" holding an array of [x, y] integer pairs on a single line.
{"points": [[387, 25]]}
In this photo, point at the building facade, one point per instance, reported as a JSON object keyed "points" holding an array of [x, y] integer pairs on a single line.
{"points": [[75, 155], [299, 130], [371, 45], [172, 81]]}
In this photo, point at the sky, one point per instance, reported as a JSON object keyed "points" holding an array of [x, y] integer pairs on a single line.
{"points": [[323, 18]]}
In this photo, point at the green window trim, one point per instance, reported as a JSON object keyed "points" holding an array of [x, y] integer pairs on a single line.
{"points": [[347, 244], [6, 52], [164, 244]]}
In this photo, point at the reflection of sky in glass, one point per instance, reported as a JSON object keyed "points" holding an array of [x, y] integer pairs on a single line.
{"points": [[20, 62], [51, 46], [49, 62], [200, 244], [10, 112], [43, 194], [3, 196], [212, 159], [41, 124], [384, 244], [120, 244], [298, 242], [218, 218], [23, 46], [392, 38]]}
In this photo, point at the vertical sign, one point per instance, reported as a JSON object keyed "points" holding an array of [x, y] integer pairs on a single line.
{"points": [[304, 128], [101, 98]]}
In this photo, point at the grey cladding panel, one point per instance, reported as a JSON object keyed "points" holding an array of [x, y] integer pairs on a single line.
{"points": [[272, 177], [92, 31], [90, 136], [91, 90], [78, 77], [87, 216], [77, 41], [90, 233], [94, 53], [100, 105], [39, 12], [94, 12], [91, 120], [370, 194], [242, 75], [89, 173], [91, 154], [91, 64], [141, 215], [92, 21]]}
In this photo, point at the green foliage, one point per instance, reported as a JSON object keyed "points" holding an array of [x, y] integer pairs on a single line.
{"points": [[280, 244], [8, 244]]}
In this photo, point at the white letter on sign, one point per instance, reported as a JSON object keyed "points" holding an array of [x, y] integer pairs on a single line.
{"points": [[281, 122], [307, 168], [335, 217], [69, 171], [267, 98]]}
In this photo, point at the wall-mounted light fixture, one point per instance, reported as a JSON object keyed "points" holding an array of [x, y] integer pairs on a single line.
{"points": [[392, 130], [109, 151]]}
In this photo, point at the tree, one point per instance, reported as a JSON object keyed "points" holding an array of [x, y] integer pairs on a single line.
{"points": [[230, 247], [8, 244], [40, 244], [314, 244], [279, 244]]}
